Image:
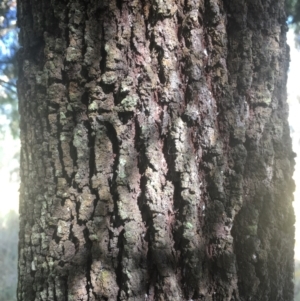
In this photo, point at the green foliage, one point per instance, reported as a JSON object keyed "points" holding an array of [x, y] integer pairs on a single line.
{"points": [[9, 228]]}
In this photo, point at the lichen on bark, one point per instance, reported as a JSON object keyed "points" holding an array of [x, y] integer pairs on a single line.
{"points": [[156, 160]]}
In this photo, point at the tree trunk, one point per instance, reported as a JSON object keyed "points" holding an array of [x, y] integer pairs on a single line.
{"points": [[156, 160]]}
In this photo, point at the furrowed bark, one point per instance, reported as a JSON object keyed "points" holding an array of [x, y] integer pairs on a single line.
{"points": [[156, 160]]}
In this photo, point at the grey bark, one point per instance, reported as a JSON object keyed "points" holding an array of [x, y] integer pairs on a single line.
{"points": [[156, 160]]}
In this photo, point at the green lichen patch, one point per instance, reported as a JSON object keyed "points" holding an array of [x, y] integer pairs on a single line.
{"points": [[165, 8], [93, 106], [109, 78], [126, 85], [263, 96], [73, 54], [128, 104]]}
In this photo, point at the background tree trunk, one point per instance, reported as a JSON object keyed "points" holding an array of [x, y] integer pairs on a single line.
{"points": [[156, 160]]}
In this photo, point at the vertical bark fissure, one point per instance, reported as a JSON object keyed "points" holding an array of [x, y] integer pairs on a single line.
{"points": [[158, 190], [185, 154], [219, 253]]}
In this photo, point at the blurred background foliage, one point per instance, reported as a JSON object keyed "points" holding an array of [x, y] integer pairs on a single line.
{"points": [[293, 18], [9, 228], [8, 67], [9, 125]]}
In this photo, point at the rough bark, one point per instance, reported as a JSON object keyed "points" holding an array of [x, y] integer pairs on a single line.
{"points": [[156, 160]]}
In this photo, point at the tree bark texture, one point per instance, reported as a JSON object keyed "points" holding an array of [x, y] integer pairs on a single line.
{"points": [[156, 160]]}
